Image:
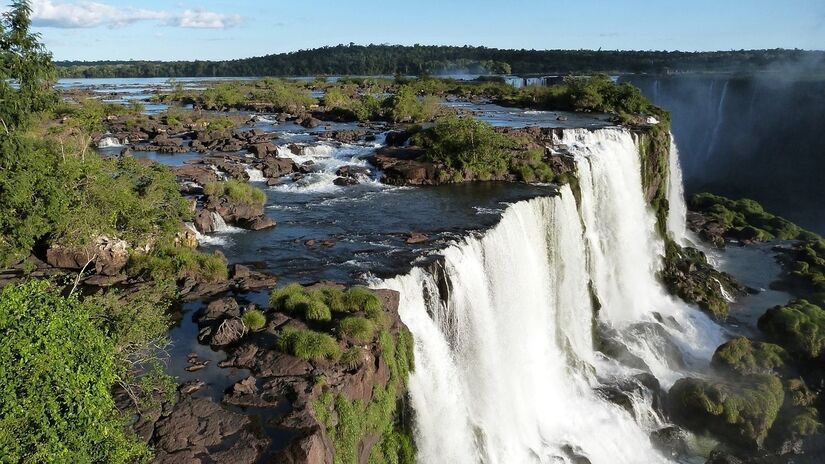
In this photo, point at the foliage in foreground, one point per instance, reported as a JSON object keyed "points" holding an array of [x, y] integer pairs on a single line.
{"points": [[237, 192], [56, 371]]}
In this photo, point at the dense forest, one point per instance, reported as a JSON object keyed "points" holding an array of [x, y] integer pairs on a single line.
{"points": [[420, 60]]}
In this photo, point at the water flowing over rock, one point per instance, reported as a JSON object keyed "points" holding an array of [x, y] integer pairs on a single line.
{"points": [[506, 369]]}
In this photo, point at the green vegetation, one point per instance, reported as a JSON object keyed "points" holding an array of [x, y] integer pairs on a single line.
{"points": [[358, 420], [741, 412], [746, 219], [270, 94], [319, 302], [808, 269], [799, 327], [687, 274], [654, 148], [56, 371], [358, 328], [742, 356], [237, 192], [178, 263], [253, 319], [373, 60], [308, 344]]}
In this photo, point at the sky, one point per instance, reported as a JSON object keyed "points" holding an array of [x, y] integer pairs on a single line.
{"points": [[225, 29]]}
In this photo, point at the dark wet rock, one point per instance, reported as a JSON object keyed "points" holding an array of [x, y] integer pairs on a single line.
{"points": [[345, 181], [671, 441], [707, 229], [310, 448], [405, 166], [191, 387], [309, 122], [195, 366], [575, 455], [719, 456], [346, 136], [200, 431], [261, 150], [218, 310], [198, 173], [417, 237], [396, 138], [274, 167], [204, 222], [353, 172], [235, 212], [259, 223]]}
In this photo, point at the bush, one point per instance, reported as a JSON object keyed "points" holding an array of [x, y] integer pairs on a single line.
{"points": [[308, 345], [236, 191], [358, 328], [253, 319], [799, 327], [56, 372], [746, 218]]}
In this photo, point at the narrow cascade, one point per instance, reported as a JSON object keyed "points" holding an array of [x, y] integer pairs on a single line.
{"points": [[677, 213], [506, 369], [624, 253], [719, 120], [221, 227], [504, 349], [255, 175]]}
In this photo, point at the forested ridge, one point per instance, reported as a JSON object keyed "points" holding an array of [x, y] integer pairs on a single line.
{"points": [[419, 59]]}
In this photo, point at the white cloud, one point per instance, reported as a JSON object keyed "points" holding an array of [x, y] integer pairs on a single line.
{"points": [[81, 14], [206, 19]]}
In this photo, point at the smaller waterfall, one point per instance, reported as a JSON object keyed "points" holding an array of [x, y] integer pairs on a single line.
{"points": [[255, 175], [221, 227], [110, 142], [677, 208], [719, 120]]}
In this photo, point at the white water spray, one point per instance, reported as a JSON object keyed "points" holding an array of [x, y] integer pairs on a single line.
{"points": [[677, 212]]}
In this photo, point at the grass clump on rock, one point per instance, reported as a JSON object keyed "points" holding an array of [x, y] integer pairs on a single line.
{"points": [[308, 344], [745, 219], [318, 303], [237, 192], [178, 263], [798, 326], [357, 328], [253, 319]]}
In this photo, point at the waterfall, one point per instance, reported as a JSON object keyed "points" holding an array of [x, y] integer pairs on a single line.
{"points": [[221, 227], [677, 212], [506, 369], [255, 175], [719, 119]]}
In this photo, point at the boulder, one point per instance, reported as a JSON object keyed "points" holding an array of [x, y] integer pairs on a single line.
{"points": [[258, 223], [261, 150], [109, 256], [275, 167], [204, 222]]}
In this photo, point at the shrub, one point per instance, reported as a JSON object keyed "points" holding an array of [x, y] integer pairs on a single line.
{"points": [[236, 191], [278, 297], [308, 345], [354, 357], [56, 372], [799, 327], [253, 319], [466, 144], [358, 328]]}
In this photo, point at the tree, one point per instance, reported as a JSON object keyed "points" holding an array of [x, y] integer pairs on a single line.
{"points": [[56, 371]]}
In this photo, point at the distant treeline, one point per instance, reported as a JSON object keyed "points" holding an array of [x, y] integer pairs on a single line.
{"points": [[420, 60]]}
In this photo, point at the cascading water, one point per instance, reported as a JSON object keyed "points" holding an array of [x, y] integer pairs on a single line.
{"points": [[506, 369], [677, 212], [719, 120], [255, 175]]}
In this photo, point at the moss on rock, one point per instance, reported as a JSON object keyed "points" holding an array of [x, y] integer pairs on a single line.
{"points": [[798, 326], [743, 356], [741, 413]]}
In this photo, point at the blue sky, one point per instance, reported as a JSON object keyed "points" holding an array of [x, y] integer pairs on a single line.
{"points": [[221, 29]]}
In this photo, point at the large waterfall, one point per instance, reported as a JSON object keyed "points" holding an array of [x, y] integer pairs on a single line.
{"points": [[506, 370]]}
